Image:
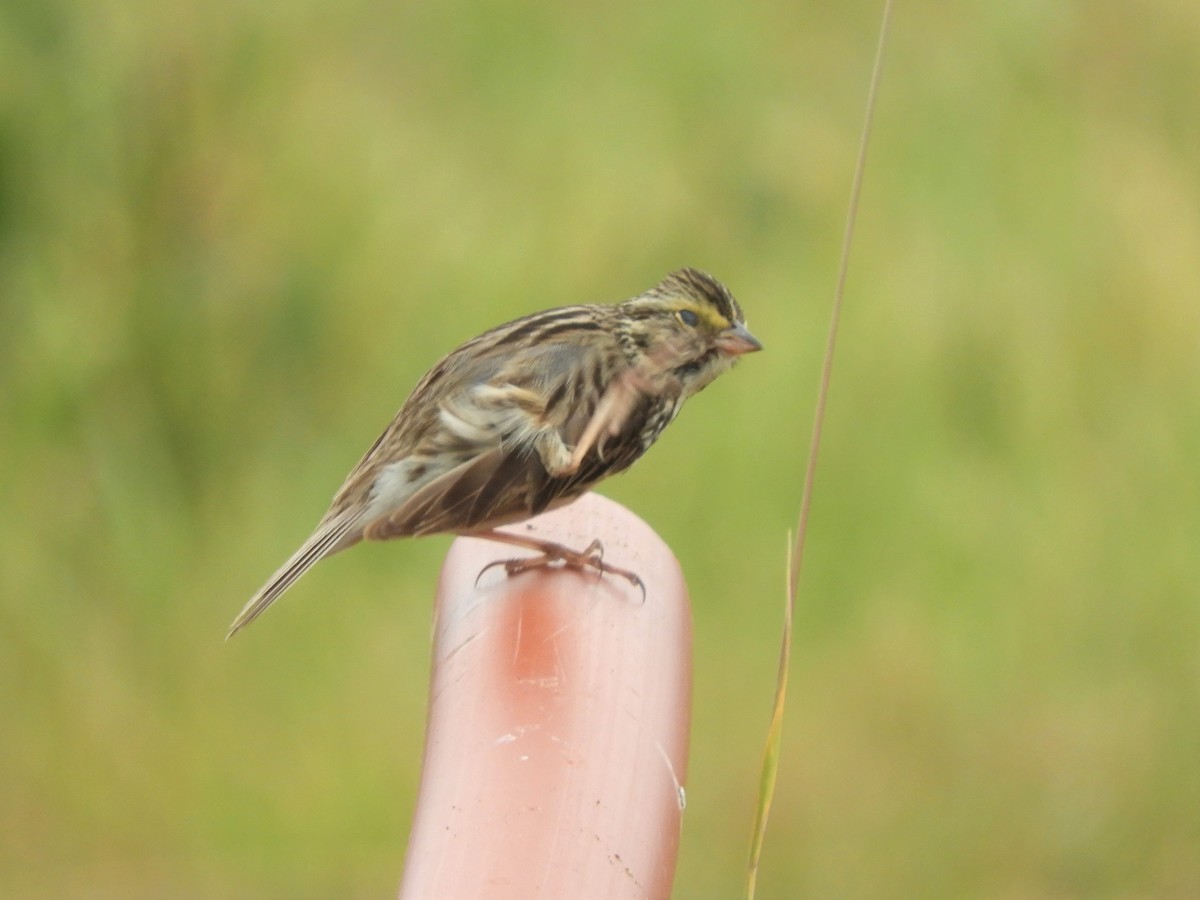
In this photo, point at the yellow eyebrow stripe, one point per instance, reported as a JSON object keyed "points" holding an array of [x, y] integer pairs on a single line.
{"points": [[707, 314]]}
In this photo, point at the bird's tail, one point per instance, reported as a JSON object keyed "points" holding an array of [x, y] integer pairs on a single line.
{"points": [[331, 536]]}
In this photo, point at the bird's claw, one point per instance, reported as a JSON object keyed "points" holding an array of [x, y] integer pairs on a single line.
{"points": [[591, 557]]}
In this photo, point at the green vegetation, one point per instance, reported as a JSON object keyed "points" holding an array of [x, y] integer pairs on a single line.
{"points": [[232, 236]]}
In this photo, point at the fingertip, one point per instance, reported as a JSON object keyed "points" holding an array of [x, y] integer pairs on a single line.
{"points": [[559, 713]]}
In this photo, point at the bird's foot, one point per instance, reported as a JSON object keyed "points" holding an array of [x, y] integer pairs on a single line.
{"points": [[591, 557]]}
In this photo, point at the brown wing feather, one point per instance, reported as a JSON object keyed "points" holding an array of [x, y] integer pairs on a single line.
{"points": [[491, 489]]}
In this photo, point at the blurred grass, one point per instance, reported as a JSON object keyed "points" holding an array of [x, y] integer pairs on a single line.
{"points": [[232, 236]]}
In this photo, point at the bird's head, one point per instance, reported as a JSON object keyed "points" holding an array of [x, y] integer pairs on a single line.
{"points": [[687, 327]]}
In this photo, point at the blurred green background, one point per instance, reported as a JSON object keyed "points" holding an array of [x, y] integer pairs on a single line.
{"points": [[232, 236]]}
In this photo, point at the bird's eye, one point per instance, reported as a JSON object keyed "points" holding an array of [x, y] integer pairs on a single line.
{"points": [[689, 318]]}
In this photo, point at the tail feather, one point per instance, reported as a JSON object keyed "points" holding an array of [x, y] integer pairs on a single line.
{"points": [[329, 537]]}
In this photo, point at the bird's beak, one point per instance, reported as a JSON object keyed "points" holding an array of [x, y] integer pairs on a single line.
{"points": [[737, 340]]}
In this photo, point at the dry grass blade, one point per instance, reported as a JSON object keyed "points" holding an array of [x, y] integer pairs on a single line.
{"points": [[795, 557], [770, 767]]}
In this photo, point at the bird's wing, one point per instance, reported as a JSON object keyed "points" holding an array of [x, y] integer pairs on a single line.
{"points": [[477, 455], [444, 417], [509, 483]]}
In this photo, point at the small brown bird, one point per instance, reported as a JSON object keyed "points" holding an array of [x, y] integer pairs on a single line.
{"points": [[525, 418]]}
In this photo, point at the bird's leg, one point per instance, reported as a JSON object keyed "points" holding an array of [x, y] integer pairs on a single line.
{"points": [[609, 417], [556, 456], [591, 557]]}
